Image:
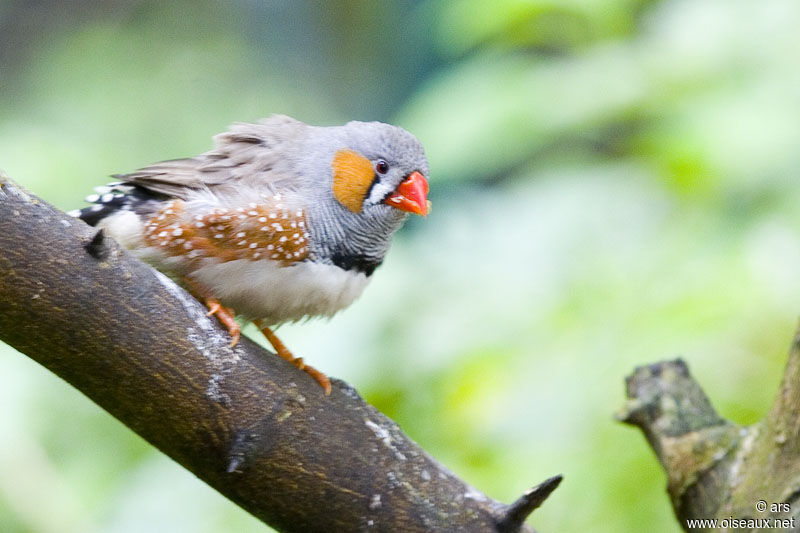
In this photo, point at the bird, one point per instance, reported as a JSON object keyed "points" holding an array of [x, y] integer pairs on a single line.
{"points": [[280, 221]]}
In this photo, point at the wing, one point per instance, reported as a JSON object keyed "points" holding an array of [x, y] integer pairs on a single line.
{"points": [[251, 152]]}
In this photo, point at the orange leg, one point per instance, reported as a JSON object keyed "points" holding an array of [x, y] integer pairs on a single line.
{"points": [[224, 314], [282, 351]]}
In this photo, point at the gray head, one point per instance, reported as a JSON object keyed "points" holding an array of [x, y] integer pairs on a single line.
{"points": [[375, 175], [394, 154]]}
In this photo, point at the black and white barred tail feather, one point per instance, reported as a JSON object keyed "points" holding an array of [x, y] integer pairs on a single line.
{"points": [[114, 197]]}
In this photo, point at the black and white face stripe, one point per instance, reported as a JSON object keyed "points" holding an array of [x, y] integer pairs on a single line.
{"points": [[383, 184]]}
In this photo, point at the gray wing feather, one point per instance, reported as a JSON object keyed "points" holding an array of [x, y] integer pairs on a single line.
{"points": [[251, 152]]}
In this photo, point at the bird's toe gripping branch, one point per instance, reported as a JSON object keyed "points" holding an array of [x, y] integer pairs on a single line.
{"points": [[282, 351], [226, 316]]}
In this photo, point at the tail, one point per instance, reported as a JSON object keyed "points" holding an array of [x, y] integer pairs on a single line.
{"points": [[115, 197]]}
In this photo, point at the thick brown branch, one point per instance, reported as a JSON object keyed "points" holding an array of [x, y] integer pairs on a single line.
{"points": [[251, 425], [716, 469]]}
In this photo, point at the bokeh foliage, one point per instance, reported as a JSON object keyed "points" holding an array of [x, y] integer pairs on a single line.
{"points": [[614, 182]]}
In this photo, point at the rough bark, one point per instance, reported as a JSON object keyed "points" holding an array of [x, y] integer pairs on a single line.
{"points": [[246, 422], [746, 477]]}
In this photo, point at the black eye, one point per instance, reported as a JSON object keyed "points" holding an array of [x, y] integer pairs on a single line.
{"points": [[382, 166]]}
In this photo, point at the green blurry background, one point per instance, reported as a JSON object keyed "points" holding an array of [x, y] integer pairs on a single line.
{"points": [[614, 182]]}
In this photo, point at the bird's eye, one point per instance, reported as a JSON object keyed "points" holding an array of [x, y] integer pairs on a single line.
{"points": [[382, 166]]}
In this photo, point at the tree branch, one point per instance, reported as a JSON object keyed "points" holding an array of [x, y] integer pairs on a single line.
{"points": [[717, 469], [249, 424]]}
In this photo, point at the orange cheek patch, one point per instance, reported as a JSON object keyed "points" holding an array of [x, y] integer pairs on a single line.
{"points": [[253, 232], [352, 177]]}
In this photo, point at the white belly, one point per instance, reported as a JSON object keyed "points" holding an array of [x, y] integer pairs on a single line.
{"points": [[265, 290]]}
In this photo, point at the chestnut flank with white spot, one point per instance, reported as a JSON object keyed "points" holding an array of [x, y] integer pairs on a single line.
{"points": [[214, 232]]}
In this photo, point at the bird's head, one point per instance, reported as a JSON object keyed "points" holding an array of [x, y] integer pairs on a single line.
{"points": [[365, 178], [379, 170]]}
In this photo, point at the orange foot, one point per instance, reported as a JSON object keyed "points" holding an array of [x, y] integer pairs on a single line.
{"points": [[284, 352], [226, 316]]}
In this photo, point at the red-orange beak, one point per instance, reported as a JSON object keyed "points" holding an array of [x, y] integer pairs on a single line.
{"points": [[411, 195]]}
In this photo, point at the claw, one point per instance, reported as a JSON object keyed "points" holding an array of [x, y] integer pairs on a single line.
{"points": [[323, 380], [213, 307], [224, 314], [234, 337]]}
